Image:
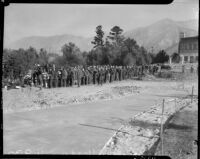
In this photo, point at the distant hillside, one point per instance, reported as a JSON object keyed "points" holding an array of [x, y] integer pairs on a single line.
{"points": [[172, 49], [52, 43], [163, 34]]}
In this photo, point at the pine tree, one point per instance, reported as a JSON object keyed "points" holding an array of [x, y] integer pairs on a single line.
{"points": [[116, 36], [98, 39]]}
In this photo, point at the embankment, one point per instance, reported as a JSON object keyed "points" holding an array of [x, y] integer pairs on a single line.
{"points": [[142, 134]]}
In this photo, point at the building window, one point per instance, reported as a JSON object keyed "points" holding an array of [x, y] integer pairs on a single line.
{"points": [[196, 59], [195, 46], [191, 59], [182, 46], [185, 58], [185, 47], [190, 46]]}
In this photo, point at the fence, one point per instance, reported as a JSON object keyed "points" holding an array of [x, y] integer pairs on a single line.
{"points": [[162, 124], [187, 67]]}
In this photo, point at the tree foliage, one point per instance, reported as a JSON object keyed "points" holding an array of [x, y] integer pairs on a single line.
{"points": [[115, 35], [115, 50], [176, 57], [98, 39], [43, 60], [71, 55], [161, 57], [18, 62]]}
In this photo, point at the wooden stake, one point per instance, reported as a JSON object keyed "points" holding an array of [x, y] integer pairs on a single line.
{"points": [[192, 94], [175, 105], [161, 132]]}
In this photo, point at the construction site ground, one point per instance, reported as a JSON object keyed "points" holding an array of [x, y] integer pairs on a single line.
{"points": [[180, 135], [79, 120]]}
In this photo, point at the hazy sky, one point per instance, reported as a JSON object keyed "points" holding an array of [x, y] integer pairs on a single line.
{"points": [[23, 20]]}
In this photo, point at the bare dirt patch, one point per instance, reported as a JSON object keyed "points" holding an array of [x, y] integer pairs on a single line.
{"points": [[34, 99]]}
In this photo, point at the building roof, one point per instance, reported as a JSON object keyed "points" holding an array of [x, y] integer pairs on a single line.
{"points": [[189, 39]]}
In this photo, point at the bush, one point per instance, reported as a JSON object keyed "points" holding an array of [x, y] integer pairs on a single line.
{"points": [[161, 57], [166, 67]]}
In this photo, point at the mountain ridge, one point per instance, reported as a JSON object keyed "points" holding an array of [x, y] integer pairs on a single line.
{"points": [[162, 34]]}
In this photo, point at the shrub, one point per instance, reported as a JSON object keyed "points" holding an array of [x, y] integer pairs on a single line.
{"points": [[166, 67], [165, 74]]}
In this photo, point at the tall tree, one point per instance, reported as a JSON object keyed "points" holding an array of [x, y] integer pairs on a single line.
{"points": [[116, 36], [98, 39]]}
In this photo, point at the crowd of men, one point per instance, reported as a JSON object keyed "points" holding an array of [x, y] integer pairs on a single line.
{"points": [[50, 76]]}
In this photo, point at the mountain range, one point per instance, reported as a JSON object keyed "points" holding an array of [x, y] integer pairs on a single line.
{"points": [[163, 34]]}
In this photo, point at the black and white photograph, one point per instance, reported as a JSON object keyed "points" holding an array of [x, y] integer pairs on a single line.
{"points": [[101, 79]]}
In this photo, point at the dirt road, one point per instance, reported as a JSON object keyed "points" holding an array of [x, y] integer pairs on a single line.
{"points": [[81, 128]]}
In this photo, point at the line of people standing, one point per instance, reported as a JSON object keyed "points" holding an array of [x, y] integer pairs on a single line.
{"points": [[49, 76]]}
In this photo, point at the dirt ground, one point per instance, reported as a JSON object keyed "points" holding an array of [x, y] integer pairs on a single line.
{"points": [[27, 99], [78, 120], [180, 135]]}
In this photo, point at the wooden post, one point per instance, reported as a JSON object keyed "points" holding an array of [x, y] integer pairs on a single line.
{"points": [[22, 90], [161, 131], [175, 105], [192, 94]]}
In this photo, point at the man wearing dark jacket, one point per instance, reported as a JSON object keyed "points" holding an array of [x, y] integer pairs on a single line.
{"points": [[55, 77], [50, 79], [64, 77], [94, 71]]}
